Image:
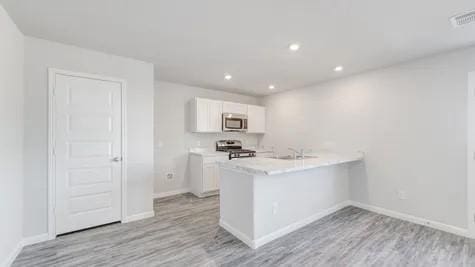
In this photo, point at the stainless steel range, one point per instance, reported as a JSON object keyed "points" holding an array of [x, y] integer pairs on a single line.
{"points": [[234, 147]]}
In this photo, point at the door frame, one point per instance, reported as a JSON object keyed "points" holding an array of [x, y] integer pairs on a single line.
{"points": [[471, 155], [52, 72]]}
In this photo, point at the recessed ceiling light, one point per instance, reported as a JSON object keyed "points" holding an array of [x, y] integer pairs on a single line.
{"points": [[228, 76], [294, 47], [338, 68], [271, 87]]}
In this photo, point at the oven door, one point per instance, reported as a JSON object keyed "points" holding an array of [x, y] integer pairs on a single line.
{"points": [[234, 122]]}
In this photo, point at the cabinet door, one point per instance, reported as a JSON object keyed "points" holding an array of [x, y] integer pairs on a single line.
{"points": [[215, 112], [256, 119], [201, 113], [216, 176], [209, 177], [230, 107], [208, 115]]}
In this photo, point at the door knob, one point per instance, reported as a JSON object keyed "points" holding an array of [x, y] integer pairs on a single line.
{"points": [[117, 159]]}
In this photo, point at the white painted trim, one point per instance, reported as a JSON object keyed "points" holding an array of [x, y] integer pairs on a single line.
{"points": [[471, 154], [35, 239], [256, 243], [124, 162], [51, 161], [52, 72], [171, 193], [235, 232], [139, 216], [23, 243], [297, 225], [413, 219], [11, 258]]}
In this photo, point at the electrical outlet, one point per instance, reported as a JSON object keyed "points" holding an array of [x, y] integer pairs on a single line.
{"points": [[275, 207], [169, 175], [401, 194]]}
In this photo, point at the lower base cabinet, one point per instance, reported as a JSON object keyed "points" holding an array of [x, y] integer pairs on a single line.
{"points": [[204, 175], [210, 177]]}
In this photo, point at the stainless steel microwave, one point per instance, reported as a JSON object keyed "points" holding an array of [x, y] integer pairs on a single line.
{"points": [[233, 122]]}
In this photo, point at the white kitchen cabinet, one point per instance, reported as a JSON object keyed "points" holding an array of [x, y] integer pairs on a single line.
{"points": [[231, 107], [204, 174], [256, 119], [205, 115], [210, 177]]}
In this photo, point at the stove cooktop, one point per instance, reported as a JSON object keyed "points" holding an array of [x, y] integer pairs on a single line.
{"points": [[238, 150], [234, 148], [241, 153]]}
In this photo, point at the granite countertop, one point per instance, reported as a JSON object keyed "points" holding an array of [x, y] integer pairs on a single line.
{"points": [[273, 166]]}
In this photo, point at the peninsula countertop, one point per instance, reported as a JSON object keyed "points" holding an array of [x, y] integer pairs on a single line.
{"points": [[273, 166]]}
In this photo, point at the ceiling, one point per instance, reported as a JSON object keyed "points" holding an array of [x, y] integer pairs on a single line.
{"points": [[196, 42]]}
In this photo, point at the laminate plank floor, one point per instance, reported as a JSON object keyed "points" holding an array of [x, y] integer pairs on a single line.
{"points": [[185, 232]]}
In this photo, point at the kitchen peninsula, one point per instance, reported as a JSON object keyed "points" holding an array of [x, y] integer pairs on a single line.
{"points": [[262, 199]]}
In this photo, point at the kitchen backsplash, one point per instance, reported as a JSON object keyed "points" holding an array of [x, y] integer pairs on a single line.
{"points": [[202, 140]]}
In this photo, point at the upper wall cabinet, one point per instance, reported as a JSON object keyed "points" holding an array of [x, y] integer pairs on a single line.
{"points": [[230, 107], [205, 115], [256, 119]]}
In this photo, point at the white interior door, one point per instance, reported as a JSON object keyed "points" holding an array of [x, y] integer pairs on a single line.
{"points": [[87, 149]]}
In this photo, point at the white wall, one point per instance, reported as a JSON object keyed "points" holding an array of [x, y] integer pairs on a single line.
{"points": [[172, 139], [41, 54], [410, 119], [11, 138]]}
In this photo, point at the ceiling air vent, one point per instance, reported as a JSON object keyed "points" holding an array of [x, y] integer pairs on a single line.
{"points": [[463, 19]]}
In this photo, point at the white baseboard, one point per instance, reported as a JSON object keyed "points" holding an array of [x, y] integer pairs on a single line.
{"points": [[23, 243], [240, 235], [297, 225], [45, 237], [171, 193], [35, 239], [410, 218], [139, 216], [255, 243], [11, 258]]}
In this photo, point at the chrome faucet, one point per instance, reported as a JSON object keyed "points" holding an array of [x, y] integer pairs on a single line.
{"points": [[299, 153]]}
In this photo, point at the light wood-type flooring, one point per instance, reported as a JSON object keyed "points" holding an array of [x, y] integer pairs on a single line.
{"points": [[185, 232]]}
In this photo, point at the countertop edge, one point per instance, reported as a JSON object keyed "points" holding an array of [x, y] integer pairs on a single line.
{"points": [[253, 171]]}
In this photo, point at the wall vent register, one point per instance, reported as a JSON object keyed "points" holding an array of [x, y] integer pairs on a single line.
{"points": [[463, 19]]}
